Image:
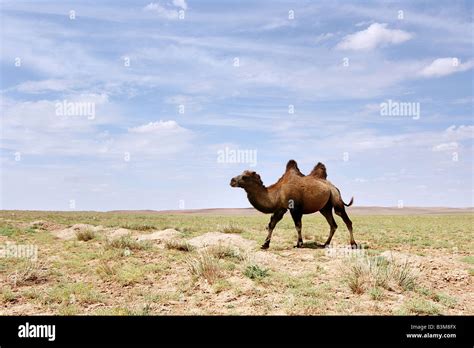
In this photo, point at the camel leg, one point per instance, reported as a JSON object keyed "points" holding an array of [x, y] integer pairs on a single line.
{"points": [[296, 215], [342, 213], [276, 217], [327, 213]]}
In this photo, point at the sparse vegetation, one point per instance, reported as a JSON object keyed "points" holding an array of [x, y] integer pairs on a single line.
{"points": [[374, 272], [376, 294], [468, 259], [124, 276], [354, 278], [67, 293], [26, 272], [6, 231], [232, 229], [7, 295], [177, 244], [403, 276], [139, 227], [205, 266], [222, 251], [127, 242], [255, 272], [420, 306], [85, 235], [129, 274], [106, 269], [438, 297], [221, 285]]}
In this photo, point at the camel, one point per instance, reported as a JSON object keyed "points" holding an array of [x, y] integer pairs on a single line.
{"points": [[298, 193]]}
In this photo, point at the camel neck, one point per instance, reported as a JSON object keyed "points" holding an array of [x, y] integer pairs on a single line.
{"points": [[260, 199]]}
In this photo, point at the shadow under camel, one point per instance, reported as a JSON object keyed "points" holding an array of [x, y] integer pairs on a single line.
{"points": [[313, 245]]}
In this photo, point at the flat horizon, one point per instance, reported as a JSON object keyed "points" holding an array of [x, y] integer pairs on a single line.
{"points": [[357, 210]]}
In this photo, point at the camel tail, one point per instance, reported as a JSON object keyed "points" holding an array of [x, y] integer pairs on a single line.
{"points": [[341, 200], [350, 203]]}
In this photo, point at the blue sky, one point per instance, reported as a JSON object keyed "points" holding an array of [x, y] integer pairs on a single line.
{"points": [[205, 76]]}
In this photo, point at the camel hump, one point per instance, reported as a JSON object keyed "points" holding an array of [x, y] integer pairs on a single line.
{"points": [[293, 165], [319, 171]]}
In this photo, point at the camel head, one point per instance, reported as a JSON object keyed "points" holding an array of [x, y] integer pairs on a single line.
{"points": [[246, 180]]}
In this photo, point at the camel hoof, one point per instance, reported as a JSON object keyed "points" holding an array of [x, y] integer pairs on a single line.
{"points": [[354, 245], [265, 246], [299, 245]]}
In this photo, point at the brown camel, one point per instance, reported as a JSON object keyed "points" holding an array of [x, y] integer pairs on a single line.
{"points": [[298, 193]]}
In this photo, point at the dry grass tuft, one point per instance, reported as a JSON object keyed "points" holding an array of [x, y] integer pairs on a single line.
{"points": [[205, 266], [127, 242], [420, 306], [105, 269], [180, 245], [85, 235], [403, 276], [27, 272], [232, 229], [366, 273], [222, 251]]}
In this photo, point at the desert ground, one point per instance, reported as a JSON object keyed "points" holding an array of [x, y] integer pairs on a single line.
{"points": [[414, 261]]}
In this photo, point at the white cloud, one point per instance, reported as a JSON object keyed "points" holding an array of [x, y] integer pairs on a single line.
{"points": [[375, 35], [323, 37], [450, 136], [448, 25], [161, 11], [153, 67], [364, 140], [166, 12], [42, 86], [41, 114], [445, 66], [445, 147], [277, 23], [180, 3], [155, 127], [153, 139], [459, 133], [363, 23], [33, 128]]}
